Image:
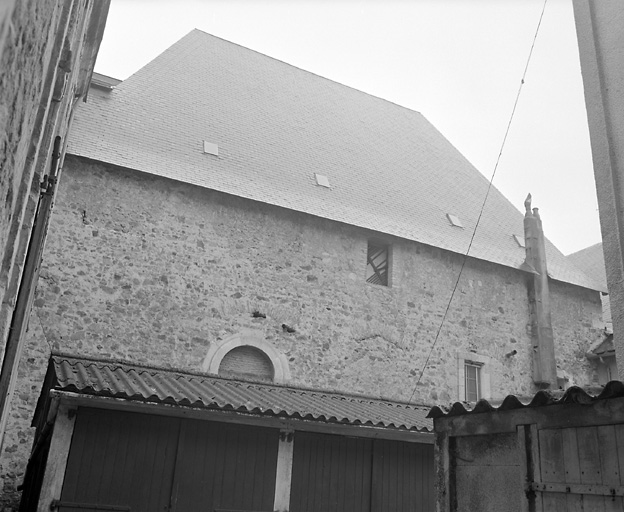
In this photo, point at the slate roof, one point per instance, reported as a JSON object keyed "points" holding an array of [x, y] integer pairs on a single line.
{"points": [[602, 348], [158, 385], [591, 261], [573, 395], [276, 126]]}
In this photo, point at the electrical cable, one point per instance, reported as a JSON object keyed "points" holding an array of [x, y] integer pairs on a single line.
{"points": [[487, 194]]}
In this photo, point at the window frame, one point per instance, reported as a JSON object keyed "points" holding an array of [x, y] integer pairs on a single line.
{"points": [[468, 366], [380, 281], [485, 365]]}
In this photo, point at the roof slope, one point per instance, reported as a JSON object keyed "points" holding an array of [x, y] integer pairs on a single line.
{"points": [[157, 385], [276, 125], [591, 261]]}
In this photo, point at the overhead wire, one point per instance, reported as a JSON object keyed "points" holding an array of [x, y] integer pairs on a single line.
{"points": [[474, 232]]}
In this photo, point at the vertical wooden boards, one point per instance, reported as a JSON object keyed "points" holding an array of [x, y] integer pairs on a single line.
{"points": [[225, 466], [120, 458], [589, 462], [609, 465], [583, 455], [403, 477], [572, 468], [331, 473], [552, 468]]}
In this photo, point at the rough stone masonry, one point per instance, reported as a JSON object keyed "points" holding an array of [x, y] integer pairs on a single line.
{"points": [[150, 270]]}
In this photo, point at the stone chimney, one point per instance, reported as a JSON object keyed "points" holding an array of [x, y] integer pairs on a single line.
{"points": [[544, 363]]}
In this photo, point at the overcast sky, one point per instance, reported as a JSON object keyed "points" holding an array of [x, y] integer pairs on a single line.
{"points": [[458, 62]]}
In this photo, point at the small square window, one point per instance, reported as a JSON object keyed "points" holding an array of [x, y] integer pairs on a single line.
{"points": [[472, 373], [377, 263]]}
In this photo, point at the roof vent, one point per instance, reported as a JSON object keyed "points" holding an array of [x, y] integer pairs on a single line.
{"points": [[210, 148], [519, 240], [454, 220], [322, 181]]}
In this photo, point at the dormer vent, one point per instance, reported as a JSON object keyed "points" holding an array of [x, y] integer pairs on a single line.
{"points": [[210, 148], [322, 180], [520, 241], [454, 220]]}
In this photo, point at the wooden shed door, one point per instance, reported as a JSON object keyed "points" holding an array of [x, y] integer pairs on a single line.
{"points": [[402, 477], [121, 459], [225, 467], [334, 473], [148, 463], [580, 468]]}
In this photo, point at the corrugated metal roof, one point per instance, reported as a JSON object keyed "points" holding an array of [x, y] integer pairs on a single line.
{"points": [[573, 395], [157, 385], [276, 126]]}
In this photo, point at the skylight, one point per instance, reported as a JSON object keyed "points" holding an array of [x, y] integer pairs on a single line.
{"points": [[322, 181], [210, 148], [454, 220], [519, 240]]}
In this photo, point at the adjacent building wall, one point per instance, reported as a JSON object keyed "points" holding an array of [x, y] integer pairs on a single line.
{"points": [[47, 53], [28, 58], [601, 48]]}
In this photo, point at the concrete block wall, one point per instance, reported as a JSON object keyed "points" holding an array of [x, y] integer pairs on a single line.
{"points": [[146, 269]]}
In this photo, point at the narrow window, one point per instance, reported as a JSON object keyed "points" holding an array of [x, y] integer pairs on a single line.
{"points": [[473, 381], [377, 263]]}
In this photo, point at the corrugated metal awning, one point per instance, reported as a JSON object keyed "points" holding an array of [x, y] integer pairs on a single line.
{"points": [[158, 385]]}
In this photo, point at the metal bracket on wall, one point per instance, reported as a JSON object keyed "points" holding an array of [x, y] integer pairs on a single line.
{"points": [[592, 489], [286, 436]]}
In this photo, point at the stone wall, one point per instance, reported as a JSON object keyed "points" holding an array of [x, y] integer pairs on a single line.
{"points": [[28, 31], [26, 58], [47, 52], [145, 269]]}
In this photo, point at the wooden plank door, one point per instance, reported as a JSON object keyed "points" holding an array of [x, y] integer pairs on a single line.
{"points": [[334, 473], [402, 477], [331, 473], [223, 466], [581, 469], [119, 459]]}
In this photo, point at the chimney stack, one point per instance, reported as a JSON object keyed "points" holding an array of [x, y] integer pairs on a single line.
{"points": [[544, 363]]}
